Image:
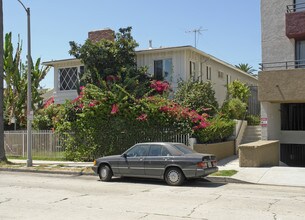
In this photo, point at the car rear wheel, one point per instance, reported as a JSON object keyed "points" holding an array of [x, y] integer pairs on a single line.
{"points": [[105, 173], [174, 176]]}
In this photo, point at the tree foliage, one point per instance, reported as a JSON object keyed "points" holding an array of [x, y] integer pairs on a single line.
{"points": [[235, 106], [199, 96], [113, 62], [15, 76], [240, 90], [246, 68], [97, 121]]}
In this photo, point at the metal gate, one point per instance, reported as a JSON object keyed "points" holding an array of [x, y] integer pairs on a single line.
{"points": [[293, 154], [254, 107]]}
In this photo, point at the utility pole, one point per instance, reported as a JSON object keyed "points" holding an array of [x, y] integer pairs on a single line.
{"points": [[29, 161], [196, 31], [2, 150]]}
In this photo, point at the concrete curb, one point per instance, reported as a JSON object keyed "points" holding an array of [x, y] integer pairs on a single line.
{"points": [[213, 179], [225, 179], [47, 171]]}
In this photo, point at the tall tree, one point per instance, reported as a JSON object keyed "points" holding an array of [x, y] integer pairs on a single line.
{"points": [[111, 62], [246, 68], [2, 151], [15, 76]]}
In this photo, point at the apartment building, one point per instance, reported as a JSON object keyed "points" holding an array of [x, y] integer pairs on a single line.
{"points": [[282, 77]]}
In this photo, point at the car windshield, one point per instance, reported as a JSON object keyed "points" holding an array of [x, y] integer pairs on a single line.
{"points": [[183, 149]]}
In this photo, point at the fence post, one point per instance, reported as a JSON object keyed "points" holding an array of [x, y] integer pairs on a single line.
{"points": [[23, 144]]}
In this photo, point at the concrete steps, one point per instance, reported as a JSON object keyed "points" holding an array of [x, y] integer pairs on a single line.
{"points": [[251, 134]]}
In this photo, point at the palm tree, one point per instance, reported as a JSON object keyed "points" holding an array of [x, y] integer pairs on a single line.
{"points": [[246, 68], [2, 151]]}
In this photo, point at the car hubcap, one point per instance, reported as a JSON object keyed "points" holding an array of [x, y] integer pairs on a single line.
{"points": [[173, 176], [104, 172]]}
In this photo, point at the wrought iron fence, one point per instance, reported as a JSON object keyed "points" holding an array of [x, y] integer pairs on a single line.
{"points": [[254, 107], [47, 144]]}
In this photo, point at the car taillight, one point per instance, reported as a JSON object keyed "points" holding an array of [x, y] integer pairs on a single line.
{"points": [[94, 162], [202, 164], [214, 163]]}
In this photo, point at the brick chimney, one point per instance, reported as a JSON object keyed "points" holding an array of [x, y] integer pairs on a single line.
{"points": [[96, 36]]}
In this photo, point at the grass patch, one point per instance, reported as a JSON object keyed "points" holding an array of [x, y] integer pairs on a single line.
{"points": [[224, 173]]}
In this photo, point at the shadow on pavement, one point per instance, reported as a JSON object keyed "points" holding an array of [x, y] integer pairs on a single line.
{"points": [[188, 183]]}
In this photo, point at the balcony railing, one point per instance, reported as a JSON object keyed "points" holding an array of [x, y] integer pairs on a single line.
{"points": [[294, 64], [295, 7]]}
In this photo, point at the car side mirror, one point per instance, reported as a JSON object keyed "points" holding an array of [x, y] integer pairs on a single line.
{"points": [[124, 155]]}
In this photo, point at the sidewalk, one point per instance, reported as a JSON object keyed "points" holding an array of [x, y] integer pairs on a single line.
{"points": [[279, 175]]}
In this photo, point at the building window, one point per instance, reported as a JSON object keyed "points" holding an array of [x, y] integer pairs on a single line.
{"points": [[300, 54], [228, 79], [193, 71], [299, 5], [220, 74], [201, 72], [68, 78], [293, 116], [163, 69], [209, 72]]}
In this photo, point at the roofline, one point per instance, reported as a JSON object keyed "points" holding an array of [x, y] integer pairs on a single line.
{"points": [[163, 48], [231, 66], [53, 62]]}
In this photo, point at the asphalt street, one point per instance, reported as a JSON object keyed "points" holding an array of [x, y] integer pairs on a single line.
{"points": [[42, 196]]}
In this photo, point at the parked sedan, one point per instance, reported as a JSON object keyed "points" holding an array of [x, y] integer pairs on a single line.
{"points": [[172, 162]]}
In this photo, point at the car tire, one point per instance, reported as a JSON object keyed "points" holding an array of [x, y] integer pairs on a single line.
{"points": [[174, 176], [105, 173]]}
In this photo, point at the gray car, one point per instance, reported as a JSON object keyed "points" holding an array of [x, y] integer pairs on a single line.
{"points": [[172, 162]]}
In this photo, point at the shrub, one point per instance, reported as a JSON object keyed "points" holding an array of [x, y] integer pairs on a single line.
{"points": [[100, 122], [220, 129], [253, 119], [199, 96], [234, 109], [238, 90], [45, 118]]}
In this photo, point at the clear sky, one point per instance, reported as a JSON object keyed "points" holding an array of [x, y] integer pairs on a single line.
{"points": [[233, 27]]}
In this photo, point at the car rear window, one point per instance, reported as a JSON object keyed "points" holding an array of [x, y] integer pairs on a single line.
{"points": [[183, 149]]}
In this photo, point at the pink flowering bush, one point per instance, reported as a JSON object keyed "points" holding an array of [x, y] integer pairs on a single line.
{"points": [[97, 119], [160, 87]]}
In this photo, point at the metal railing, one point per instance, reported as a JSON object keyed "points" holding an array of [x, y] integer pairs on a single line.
{"points": [[45, 144], [293, 64], [295, 7], [50, 145]]}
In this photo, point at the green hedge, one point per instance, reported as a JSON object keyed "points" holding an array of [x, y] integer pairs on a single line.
{"points": [[220, 130]]}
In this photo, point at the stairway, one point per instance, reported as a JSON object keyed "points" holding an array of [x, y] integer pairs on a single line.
{"points": [[251, 134]]}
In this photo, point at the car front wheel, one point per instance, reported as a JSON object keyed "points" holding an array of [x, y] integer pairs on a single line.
{"points": [[174, 176], [105, 173]]}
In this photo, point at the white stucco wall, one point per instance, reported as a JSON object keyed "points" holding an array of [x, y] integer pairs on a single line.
{"points": [[181, 58], [276, 46]]}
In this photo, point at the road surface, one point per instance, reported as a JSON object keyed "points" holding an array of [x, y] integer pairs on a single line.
{"points": [[42, 196]]}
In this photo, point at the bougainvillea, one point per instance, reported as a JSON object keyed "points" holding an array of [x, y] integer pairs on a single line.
{"points": [[160, 86], [49, 102], [97, 120]]}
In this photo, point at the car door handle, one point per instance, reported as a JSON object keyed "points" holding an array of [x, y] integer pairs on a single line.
{"points": [[141, 159]]}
